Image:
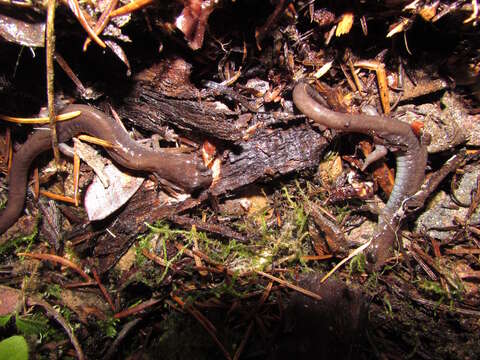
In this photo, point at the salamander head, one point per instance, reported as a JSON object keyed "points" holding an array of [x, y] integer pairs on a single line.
{"points": [[184, 171], [199, 178]]}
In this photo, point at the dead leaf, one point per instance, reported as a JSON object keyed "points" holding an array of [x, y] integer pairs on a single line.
{"points": [[100, 202]]}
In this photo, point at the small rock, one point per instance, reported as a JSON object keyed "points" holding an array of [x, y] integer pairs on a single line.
{"points": [[442, 209], [448, 126]]}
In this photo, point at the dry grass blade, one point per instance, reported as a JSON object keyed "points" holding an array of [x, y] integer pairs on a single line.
{"points": [[133, 6], [290, 285], [102, 22], [76, 178], [73, 4], [96, 141], [58, 197], [40, 120], [351, 255]]}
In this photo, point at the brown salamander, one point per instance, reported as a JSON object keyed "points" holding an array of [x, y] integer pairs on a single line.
{"points": [[410, 152], [183, 170]]}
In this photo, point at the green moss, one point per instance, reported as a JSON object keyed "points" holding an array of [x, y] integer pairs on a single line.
{"points": [[32, 324], [164, 233], [143, 243], [387, 306], [432, 287], [109, 327], [23, 242], [53, 290], [342, 212], [357, 264], [4, 319], [35, 326]]}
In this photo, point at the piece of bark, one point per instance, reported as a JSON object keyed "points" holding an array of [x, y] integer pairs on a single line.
{"points": [[151, 110], [163, 94], [268, 154]]}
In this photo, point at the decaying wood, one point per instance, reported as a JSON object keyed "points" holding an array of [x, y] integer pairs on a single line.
{"points": [[183, 114], [269, 154], [164, 95], [122, 229]]}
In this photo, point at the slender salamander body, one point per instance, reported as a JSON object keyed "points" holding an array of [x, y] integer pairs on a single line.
{"points": [[183, 170], [411, 158]]}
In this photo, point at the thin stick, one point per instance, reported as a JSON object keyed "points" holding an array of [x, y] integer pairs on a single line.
{"points": [[104, 291], [60, 260], [136, 309], [50, 51]]}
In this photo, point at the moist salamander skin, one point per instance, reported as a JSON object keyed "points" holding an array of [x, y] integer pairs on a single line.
{"points": [[186, 171], [411, 158]]}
